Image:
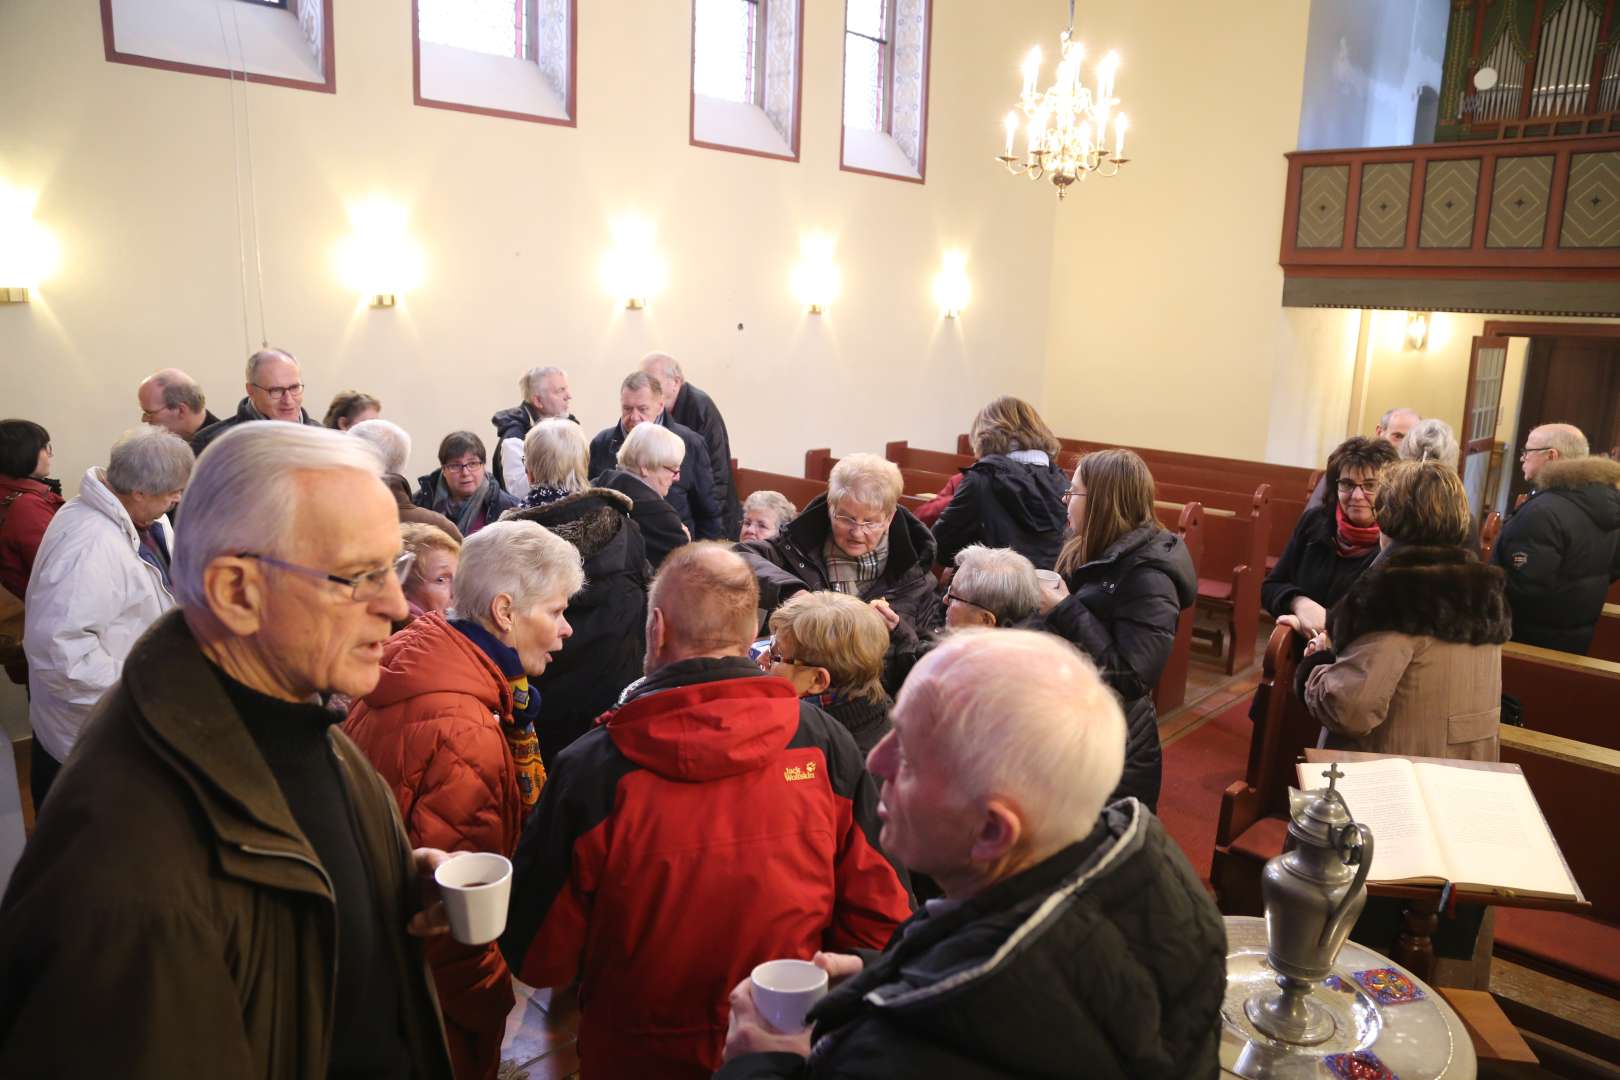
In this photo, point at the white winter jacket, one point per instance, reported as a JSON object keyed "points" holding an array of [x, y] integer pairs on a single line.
{"points": [[90, 596]]}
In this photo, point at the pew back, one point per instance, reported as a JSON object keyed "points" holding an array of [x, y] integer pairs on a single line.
{"points": [[1606, 642], [1187, 521], [1573, 697], [1573, 781]]}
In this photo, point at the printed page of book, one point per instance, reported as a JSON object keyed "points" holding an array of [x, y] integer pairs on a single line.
{"points": [[1491, 831], [1384, 796]]}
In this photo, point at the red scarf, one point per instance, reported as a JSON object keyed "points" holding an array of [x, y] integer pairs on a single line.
{"points": [[1354, 541]]}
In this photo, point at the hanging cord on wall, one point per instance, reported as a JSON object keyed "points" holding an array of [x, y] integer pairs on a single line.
{"points": [[253, 188], [236, 176]]}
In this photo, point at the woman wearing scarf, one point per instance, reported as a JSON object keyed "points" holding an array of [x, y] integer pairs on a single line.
{"points": [[450, 727], [461, 488], [1332, 544]]}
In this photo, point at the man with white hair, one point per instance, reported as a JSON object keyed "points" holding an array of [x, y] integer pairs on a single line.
{"points": [[545, 397], [690, 406], [172, 399], [710, 822], [1394, 425], [1561, 550], [393, 445], [219, 877], [643, 400], [991, 587], [1066, 943], [100, 578], [275, 391]]}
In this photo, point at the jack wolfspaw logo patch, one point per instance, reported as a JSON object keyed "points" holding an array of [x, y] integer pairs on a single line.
{"points": [[1521, 559], [795, 772]]}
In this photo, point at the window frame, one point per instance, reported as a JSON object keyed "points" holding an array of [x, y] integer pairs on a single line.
{"points": [[570, 96], [328, 84], [761, 24], [890, 17], [885, 65]]}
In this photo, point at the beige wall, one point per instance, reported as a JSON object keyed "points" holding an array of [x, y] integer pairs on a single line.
{"points": [[133, 167]]}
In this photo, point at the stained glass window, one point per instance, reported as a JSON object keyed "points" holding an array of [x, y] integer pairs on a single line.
{"points": [[866, 48]]}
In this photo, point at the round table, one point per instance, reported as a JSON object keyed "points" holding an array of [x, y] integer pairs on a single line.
{"points": [[1416, 1039]]}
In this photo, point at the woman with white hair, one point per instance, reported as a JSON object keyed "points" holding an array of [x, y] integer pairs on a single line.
{"points": [[393, 445], [557, 459], [1430, 440], [101, 577], [649, 464], [856, 539], [764, 514], [450, 726]]}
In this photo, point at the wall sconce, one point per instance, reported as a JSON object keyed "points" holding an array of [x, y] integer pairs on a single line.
{"points": [[632, 270], [378, 259], [28, 252], [1417, 331], [816, 279], [951, 287]]}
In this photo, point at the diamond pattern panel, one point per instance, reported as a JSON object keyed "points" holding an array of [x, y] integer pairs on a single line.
{"points": [[1592, 202], [1519, 202], [1450, 189], [1386, 193], [1322, 202]]}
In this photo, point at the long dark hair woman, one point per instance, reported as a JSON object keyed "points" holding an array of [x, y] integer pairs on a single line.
{"points": [[1128, 580]]}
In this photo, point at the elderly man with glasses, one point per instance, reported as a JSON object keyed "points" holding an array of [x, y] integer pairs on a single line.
{"points": [[275, 391], [219, 875], [172, 399]]}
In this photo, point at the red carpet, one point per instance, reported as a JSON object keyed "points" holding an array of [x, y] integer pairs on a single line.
{"points": [[1197, 768]]}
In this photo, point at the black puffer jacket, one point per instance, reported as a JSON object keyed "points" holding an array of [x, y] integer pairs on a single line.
{"points": [[1312, 566], [692, 494], [1003, 503], [698, 411], [793, 562], [608, 616], [1122, 611], [661, 528], [1106, 961], [1561, 551], [245, 414]]}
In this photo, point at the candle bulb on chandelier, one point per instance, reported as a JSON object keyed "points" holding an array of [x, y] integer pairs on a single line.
{"points": [[1120, 125], [1105, 75], [1011, 124], [1037, 124], [1032, 69]]}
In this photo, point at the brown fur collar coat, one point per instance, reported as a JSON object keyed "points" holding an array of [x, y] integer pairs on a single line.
{"points": [[1574, 473], [1439, 592]]}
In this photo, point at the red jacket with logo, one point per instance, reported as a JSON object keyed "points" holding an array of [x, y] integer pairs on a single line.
{"points": [[712, 822]]}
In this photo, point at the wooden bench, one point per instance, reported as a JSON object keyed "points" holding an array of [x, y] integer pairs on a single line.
{"points": [[1574, 697], [919, 485], [1297, 480], [798, 489], [1606, 642], [1237, 525], [1489, 530], [1187, 521]]}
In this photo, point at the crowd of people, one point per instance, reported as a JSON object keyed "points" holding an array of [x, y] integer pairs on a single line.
{"points": [[919, 749]]}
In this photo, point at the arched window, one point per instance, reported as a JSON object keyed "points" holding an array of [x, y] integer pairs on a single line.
{"points": [[509, 58], [746, 57], [886, 87]]}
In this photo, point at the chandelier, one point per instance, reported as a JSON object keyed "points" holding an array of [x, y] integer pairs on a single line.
{"points": [[1066, 127]]}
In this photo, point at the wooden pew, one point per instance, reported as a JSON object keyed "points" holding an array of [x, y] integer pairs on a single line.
{"points": [[907, 456], [1606, 642], [1187, 521], [1489, 530], [1574, 697], [922, 484], [798, 490], [1236, 531]]}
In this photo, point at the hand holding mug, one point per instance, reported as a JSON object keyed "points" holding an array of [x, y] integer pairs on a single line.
{"points": [[748, 1033]]}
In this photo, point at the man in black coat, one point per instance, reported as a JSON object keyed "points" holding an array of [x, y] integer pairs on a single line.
{"points": [[690, 406], [545, 397], [275, 391], [1562, 549], [1067, 943], [641, 400]]}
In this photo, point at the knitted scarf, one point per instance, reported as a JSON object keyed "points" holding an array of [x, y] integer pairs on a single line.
{"points": [[470, 518], [519, 731], [541, 495], [1353, 541], [853, 573]]}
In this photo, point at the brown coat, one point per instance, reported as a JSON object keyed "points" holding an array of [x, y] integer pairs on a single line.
{"points": [[169, 918], [1417, 666]]}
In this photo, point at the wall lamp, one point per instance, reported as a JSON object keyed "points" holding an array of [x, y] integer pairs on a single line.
{"points": [[378, 259], [1417, 330], [633, 271], [951, 287], [816, 279], [28, 251]]}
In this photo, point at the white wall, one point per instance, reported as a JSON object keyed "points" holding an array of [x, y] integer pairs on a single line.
{"points": [[134, 172], [1366, 62]]}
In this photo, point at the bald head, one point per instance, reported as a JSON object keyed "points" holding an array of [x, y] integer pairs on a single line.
{"points": [[664, 368], [172, 399], [1552, 442], [704, 602]]}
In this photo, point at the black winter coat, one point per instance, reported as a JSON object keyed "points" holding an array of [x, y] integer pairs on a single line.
{"points": [[1003, 503], [697, 411], [1106, 961], [660, 525], [692, 495], [866, 720], [1311, 566], [1561, 551], [245, 414], [793, 562], [496, 503], [1122, 611], [608, 616]]}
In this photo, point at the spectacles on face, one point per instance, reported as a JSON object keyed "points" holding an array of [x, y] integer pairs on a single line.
{"points": [[148, 415], [957, 598], [777, 658], [363, 588], [463, 467], [1525, 456], [1368, 487], [856, 526], [278, 392], [673, 470], [1071, 495]]}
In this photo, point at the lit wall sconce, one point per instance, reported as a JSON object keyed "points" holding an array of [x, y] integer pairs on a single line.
{"points": [[951, 287], [632, 270], [1417, 330], [378, 259], [816, 279], [28, 252]]}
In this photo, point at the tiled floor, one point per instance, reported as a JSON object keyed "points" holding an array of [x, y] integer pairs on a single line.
{"points": [[540, 1034]]}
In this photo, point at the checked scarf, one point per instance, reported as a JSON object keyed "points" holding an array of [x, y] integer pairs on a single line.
{"points": [[853, 573]]}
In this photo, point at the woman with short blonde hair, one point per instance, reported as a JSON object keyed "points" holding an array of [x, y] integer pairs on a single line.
{"points": [[557, 459], [831, 647], [434, 554], [1012, 496]]}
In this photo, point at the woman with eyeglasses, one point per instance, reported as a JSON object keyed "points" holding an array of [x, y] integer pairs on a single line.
{"points": [[858, 540], [1126, 580], [450, 726], [461, 488], [1332, 544], [831, 646], [649, 464]]}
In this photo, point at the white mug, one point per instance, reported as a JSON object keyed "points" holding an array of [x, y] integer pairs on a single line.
{"points": [[785, 990], [475, 887]]}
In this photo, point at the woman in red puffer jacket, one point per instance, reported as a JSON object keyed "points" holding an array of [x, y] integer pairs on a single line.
{"points": [[450, 726]]}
